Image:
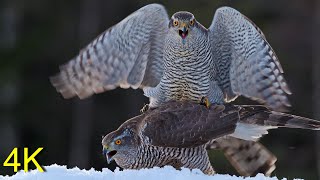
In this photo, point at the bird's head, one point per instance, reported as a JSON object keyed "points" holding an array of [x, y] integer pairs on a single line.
{"points": [[120, 145], [183, 23]]}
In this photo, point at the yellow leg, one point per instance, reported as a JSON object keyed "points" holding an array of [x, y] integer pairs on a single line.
{"points": [[205, 101]]}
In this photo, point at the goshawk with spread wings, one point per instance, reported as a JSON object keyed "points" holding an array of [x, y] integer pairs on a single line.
{"points": [[178, 59]]}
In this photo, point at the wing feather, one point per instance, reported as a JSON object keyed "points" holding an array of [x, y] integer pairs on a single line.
{"points": [[128, 54], [180, 124], [187, 124], [247, 64]]}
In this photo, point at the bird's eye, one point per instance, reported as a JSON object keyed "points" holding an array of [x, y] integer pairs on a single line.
{"points": [[117, 142], [192, 22], [175, 23]]}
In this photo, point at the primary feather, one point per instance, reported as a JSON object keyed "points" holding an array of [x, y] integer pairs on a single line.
{"points": [[129, 54]]}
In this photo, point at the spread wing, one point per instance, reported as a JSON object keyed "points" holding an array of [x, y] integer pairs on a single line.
{"points": [[128, 54], [179, 124], [247, 65]]}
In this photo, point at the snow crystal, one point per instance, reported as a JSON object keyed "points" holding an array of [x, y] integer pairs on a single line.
{"points": [[54, 172]]}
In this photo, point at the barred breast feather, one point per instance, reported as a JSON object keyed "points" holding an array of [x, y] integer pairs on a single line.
{"points": [[187, 67]]}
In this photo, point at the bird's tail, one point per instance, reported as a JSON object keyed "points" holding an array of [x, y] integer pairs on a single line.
{"points": [[255, 121], [247, 157], [250, 157], [262, 116]]}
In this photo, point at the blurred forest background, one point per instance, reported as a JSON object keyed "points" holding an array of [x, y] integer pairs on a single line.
{"points": [[36, 36]]}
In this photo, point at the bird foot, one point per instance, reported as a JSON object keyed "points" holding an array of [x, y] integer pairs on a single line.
{"points": [[205, 101], [144, 108]]}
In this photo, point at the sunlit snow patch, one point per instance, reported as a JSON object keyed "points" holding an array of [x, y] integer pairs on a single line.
{"points": [[55, 172]]}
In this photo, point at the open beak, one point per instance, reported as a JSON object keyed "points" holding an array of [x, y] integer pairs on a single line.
{"points": [[108, 154], [183, 32]]}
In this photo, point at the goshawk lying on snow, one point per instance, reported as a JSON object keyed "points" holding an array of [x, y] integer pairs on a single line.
{"points": [[178, 133]]}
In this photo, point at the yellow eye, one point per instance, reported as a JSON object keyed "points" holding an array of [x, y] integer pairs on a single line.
{"points": [[175, 23], [192, 22], [118, 142]]}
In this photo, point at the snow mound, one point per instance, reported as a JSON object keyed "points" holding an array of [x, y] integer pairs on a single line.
{"points": [[54, 172]]}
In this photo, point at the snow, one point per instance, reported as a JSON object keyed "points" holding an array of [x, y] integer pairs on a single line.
{"points": [[54, 172]]}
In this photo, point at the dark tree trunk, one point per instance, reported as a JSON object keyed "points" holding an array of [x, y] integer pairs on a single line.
{"points": [[9, 86], [83, 109], [316, 76]]}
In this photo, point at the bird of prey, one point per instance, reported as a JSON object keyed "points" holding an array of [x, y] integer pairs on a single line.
{"points": [[179, 59], [177, 133]]}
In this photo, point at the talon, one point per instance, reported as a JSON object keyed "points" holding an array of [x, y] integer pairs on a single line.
{"points": [[205, 101], [144, 108]]}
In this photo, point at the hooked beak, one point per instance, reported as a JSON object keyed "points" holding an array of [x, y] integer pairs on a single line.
{"points": [[183, 32], [108, 153]]}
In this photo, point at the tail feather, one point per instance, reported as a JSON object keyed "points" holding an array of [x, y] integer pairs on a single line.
{"points": [[292, 121], [255, 121], [261, 115], [247, 157]]}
